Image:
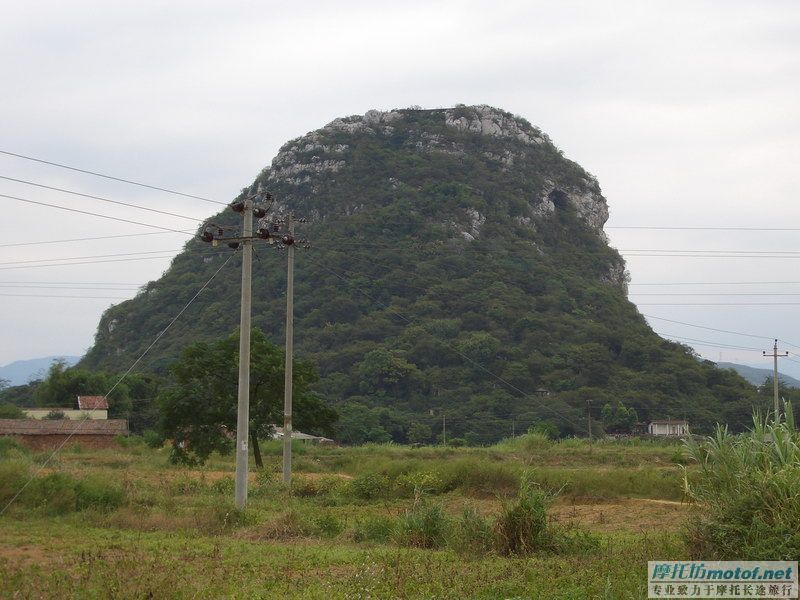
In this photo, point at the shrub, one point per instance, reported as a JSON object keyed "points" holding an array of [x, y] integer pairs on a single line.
{"points": [[748, 486], [521, 526], [54, 494], [373, 529], [223, 485], [13, 475], [369, 486], [9, 447], [98, 493], [413, 484], [153, 439], [423, 526], [471, 533], [479, 477], [327, 525]]}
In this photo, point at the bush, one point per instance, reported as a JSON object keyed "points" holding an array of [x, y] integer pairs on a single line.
{"points": [[471, 533], [54, 494], [423, 526], [223, 485], [9, 447], [11, 411], [98, 493], [748, 486], [153, 439], [521, 526], [373, 529], [327, 525], [13, 475], [479, 477], [369, 486]]}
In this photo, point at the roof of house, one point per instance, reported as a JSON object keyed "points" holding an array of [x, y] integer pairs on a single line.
{"points": [[63, 427], [669, 422], [298, 435], [92, 403]]}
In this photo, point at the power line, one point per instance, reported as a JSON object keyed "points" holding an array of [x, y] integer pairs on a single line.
{"points": [[66, 287], [96, 174], [88, 239], [718, 304], [94, 262], [68, 283], [64, 296], [719, 283], [93, 214], [37, 260], [761, 337], [113, 387], [713, 344], [658, 227], [100, 198], [718, 294]]}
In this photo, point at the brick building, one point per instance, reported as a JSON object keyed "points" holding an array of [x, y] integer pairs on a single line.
{"points": [[49, 434]]}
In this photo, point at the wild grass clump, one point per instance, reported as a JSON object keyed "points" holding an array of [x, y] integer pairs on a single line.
{"points": [[59, 493], [378, 528], [471, 533], [11, 448], [748, 487], [369, 486], [521, 526], [479, 477], [424, 525]]}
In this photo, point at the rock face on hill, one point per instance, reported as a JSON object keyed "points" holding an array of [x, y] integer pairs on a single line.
{"points": [[458, 264]]}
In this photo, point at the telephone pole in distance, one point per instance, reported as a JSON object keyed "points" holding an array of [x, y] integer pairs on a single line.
{"points": [[775, 357]]}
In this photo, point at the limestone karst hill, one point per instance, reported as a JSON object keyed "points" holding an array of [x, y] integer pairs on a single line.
{"points": [[458, 266]]}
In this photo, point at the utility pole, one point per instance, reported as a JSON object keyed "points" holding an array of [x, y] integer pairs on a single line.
{"points": [[243, 408], [775, 357], [214, 234], [444, 429], [287, 381], [589, 416]]}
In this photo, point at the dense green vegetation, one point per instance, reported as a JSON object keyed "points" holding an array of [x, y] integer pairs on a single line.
{"points": [[415, 329], [199, 409], [749, 485]]}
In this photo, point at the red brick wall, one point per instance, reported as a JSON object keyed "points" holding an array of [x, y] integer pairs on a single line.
{"points": [[51, 442]]}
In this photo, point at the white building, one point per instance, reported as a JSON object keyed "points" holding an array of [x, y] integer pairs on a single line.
{"points": [[89, 407], [669, 428]]}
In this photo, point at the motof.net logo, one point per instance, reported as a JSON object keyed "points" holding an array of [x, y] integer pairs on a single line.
{"points": [[722, 579]]}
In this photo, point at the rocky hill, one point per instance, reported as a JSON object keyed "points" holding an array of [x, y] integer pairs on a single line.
{"points": [[458, 269]]}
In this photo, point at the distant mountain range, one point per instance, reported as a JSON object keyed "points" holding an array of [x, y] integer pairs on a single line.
{"points": [[757, 376], [20, 372]]}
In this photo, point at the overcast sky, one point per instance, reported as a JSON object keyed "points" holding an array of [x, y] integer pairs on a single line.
{"points": [[687, 114]]}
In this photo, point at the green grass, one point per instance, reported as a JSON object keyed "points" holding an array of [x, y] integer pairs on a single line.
{"points": [[380, 521]]}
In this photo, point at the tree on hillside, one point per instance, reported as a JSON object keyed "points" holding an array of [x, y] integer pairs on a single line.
{"points": [[199, 409], [619, 419], [63, 385]]}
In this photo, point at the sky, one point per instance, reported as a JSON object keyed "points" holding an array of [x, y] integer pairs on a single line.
{"points": [[687, 113]]}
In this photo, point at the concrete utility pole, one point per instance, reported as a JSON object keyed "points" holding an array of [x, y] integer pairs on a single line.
{"points": [[775, 357], [243, 410], [589, 415], [287, 382], [444, 429]]}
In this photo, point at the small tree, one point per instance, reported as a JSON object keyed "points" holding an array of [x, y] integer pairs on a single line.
{"points": [[419, 433], [618, 418], [199, 410]]}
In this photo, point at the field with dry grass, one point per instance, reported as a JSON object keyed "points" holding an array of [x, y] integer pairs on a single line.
{"points": [[527, 518]]}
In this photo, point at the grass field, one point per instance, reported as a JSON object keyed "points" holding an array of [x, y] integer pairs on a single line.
{"points": [[527, 518]]}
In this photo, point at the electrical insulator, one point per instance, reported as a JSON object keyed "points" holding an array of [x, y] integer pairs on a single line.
{"points": [[237, 206], [276, 227], [233, 245], [207, 236], [288, 240], [259, 212], [263, 233]]}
